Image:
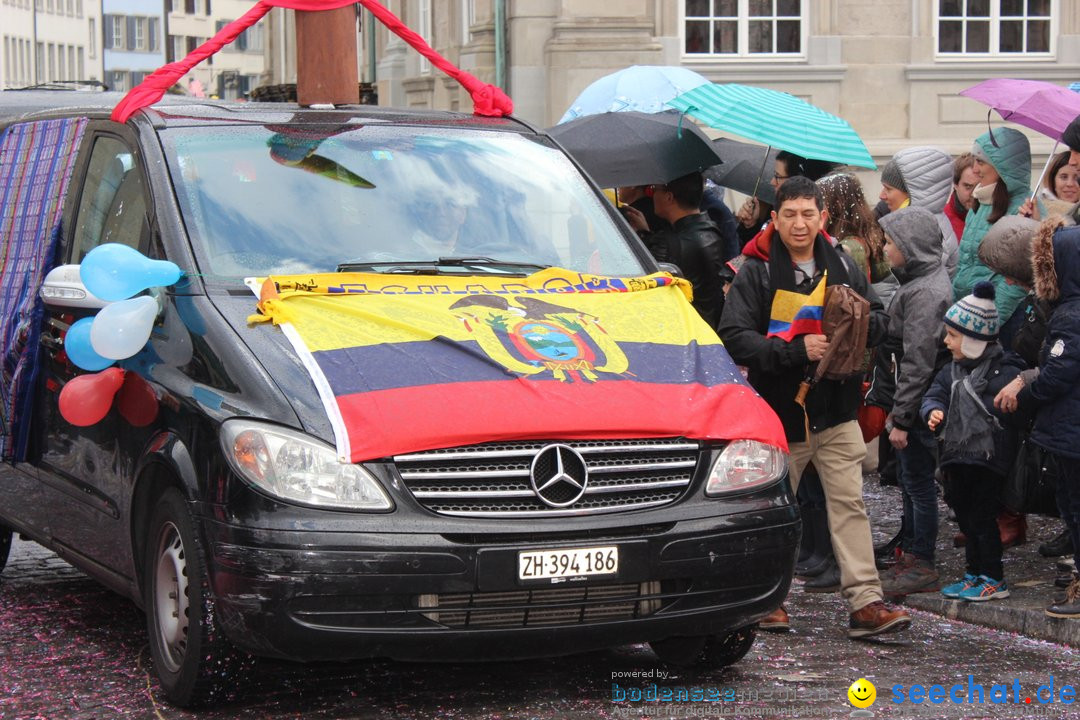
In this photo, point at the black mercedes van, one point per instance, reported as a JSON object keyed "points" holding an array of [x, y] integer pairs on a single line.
{"points": [[212, 494]]}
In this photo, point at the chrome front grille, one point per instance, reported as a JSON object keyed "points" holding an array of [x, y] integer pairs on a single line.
{"points": [[492, 480]]}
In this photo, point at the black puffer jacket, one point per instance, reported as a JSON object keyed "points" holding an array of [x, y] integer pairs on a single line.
{"points": [[776, 367], [695, 245], [1055, 393], [940, 394]]}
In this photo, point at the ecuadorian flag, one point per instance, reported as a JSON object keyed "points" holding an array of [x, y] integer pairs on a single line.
{"points": [[795, 314], [405, 364]]}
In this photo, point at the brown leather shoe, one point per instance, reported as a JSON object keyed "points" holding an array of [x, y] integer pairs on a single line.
{"points": [[877, 618], [777, 621]]}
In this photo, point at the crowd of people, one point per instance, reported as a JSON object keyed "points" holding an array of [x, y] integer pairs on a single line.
{"points": [[971, 284]]}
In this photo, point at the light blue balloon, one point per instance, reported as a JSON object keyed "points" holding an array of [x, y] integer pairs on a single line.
{"points": [[116, 272], [80, 351]]}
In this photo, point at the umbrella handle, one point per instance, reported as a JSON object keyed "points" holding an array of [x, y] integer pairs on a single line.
{"points": [[764, 160], [1046, 167], [800, 396]]}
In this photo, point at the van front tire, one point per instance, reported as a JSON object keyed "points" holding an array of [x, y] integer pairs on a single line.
{"points": [[194, 662], [5, 546]]}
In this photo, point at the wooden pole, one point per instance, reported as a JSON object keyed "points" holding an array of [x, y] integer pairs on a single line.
{"points": [[327, 71]]}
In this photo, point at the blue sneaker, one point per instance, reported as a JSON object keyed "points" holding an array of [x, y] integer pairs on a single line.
{"points": [[953, 591], [986, 589]]}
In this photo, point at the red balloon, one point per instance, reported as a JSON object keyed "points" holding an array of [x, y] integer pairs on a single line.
{"points": [[86, 399], [136, 401]]}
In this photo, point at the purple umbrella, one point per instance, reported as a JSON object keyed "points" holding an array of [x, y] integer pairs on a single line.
{"points": [[1041, 106]]}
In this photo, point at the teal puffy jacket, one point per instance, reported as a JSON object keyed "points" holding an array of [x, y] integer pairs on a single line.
{"points": [[1012, 160]]}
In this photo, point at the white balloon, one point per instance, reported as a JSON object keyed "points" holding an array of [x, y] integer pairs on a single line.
{"points": [[121, 329]]}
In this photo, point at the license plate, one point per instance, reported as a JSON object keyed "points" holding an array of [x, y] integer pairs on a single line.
{"points": [[568, 563]]}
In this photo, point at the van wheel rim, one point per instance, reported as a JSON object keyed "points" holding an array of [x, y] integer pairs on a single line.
{"points": [[171, 597]]}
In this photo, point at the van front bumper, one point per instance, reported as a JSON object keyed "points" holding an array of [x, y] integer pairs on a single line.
{"points": [[409, 596]]}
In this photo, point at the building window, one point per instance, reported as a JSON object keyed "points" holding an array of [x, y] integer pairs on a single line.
{"points": [[114, 32], [995, 27], [255, 37], [424, 29], [189, 7], [744, 28], [138, 27], [92, 45]]}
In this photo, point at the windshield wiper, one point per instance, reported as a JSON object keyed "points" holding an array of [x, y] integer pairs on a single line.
{"points": [[444, 265]]}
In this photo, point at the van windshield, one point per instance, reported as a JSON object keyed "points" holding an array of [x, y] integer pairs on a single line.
{"points": [[293, 199]]}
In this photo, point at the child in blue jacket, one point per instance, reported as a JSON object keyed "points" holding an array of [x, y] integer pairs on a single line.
{"points": [[977, 449]]}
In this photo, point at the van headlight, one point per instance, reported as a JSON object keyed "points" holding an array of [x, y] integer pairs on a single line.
{"points": [[294, 466], [745, 465]]}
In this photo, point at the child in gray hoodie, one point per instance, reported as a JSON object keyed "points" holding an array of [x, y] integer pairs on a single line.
{"points": [[911, 355]]}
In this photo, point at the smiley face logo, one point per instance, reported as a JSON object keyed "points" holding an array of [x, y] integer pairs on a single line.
{"points": [[862, 693]]}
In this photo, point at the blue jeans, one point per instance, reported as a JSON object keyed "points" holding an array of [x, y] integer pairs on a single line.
{"points": [[1068, 499], [915, 471]]}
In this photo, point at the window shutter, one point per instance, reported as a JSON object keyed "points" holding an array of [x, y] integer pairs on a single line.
{"points": [[108, 27], [152, 34], [131, 33]]}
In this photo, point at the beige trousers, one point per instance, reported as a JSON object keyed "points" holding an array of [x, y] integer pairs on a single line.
{"points": [[837, 454]]}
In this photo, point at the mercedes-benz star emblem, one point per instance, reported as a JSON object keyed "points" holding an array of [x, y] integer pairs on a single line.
{"points": [[558, 475]]}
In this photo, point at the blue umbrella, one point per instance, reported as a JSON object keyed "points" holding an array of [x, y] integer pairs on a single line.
{"points": [[777, 119], [644, 88]]}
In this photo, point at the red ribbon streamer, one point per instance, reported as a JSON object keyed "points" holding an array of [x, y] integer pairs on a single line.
{"points": [[488, 100]]}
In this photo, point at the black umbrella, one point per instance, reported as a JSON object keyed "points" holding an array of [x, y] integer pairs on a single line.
{"points": [[747, 168], [635, 148]]}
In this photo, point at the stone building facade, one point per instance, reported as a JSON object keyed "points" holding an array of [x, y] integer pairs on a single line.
{"points": [[46, 41], [892, 68]]}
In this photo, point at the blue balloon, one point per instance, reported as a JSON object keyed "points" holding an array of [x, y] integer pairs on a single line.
{"points": [[116, 272], [80, 351]]}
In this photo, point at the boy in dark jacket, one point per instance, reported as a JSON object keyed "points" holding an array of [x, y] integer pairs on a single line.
{"points": [[977, 449], [913, 247]]}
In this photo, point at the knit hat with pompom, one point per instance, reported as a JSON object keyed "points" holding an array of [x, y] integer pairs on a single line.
{"points": [[975, 317]]}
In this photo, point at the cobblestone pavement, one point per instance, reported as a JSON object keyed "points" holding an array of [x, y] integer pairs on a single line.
{"points": [[71, 649]]}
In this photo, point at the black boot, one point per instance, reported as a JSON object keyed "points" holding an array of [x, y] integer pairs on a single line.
{"points": [[888, 548], [806, 542], [817, 563], [1067, 607], [828, 581], [1058, 546]]}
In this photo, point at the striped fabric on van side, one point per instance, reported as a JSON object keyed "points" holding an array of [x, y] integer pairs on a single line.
{"points": [[36, 160]]}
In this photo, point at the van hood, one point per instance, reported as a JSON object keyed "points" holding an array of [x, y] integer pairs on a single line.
{"points": [[280, 365], [405, 364]]}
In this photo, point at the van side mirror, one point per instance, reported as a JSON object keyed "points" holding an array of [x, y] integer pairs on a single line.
{"points": [[670, 268], [64, 287]]}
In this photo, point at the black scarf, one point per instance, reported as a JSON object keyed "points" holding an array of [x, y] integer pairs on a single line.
{"points": [[826, 258]]}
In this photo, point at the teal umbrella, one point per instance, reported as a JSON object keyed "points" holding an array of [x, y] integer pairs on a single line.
{"points": [[777, 119]]}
